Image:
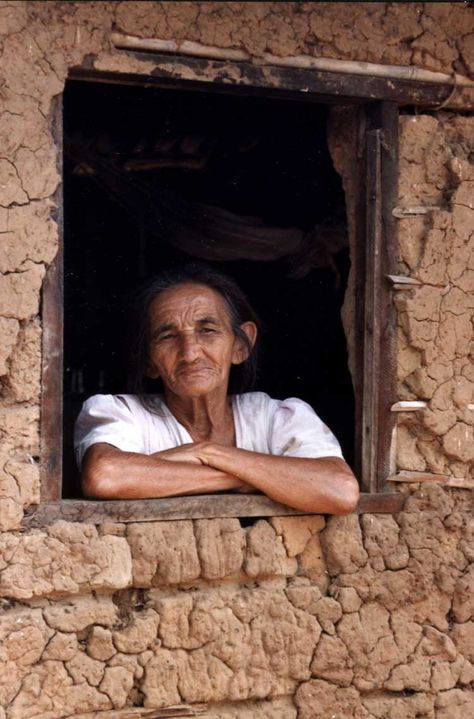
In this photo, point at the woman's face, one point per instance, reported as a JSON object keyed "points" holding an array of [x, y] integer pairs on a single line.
{"points": [[192, 346]]}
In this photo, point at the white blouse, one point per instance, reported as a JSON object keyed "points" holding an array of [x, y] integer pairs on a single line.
{"points": [[287, 427]]}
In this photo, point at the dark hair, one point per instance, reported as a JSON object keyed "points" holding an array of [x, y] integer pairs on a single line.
{"points": [[242, 377]]}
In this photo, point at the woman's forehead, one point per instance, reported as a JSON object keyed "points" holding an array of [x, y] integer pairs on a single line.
{"points": [[188, 300]]}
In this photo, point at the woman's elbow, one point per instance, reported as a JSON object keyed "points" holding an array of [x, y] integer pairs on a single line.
{"points": [[348, 499], [96, 480]]}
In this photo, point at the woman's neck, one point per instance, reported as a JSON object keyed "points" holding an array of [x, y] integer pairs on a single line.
{"points": [[205, 418]]}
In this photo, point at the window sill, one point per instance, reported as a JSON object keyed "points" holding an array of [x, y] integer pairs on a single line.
{"points": [[189, 507]]}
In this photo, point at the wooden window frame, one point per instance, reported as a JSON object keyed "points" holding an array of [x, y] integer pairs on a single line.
{"points": [[378, 100]]}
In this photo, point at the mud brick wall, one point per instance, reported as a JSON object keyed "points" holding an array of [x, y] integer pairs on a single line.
{"points": [[368, 617], [359, 617], [436, 338]]}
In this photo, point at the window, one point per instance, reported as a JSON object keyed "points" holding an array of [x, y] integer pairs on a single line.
{"points": [[163, 153]]}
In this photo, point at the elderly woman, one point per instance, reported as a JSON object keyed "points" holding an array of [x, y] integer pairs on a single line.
{"points": [[204, 433]]}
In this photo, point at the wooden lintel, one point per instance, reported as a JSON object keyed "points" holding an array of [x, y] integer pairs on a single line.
{"points": [[178, 508], [200, 73], [444, 479]]}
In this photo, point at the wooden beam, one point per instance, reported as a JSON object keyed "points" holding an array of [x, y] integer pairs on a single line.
{"points": [[379, 380], [177, 508], [52, 355], [371, 383], [304, 84]]}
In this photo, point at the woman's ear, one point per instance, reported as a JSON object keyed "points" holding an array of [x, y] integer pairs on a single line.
{"points": [[241, 350], [151, 371]]}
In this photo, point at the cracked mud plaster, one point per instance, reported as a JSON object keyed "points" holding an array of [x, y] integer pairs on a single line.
{"points": [[435, 319], [390, 636], [370, 617], [40, 42]]}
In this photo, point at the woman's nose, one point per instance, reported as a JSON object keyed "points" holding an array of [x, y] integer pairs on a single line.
{"points": [[190, 346]]}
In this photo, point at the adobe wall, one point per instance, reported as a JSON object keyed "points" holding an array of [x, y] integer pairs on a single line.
{"points": [[367, 616]]}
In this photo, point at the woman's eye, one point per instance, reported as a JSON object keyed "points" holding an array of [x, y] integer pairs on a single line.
{"points": [[207, 330]]}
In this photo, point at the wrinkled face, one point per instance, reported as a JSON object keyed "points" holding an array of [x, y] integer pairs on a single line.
{"points": [[192, 344]]}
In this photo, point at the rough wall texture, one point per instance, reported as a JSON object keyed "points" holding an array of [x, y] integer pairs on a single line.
{"points": [[436, 318], [359, 619], [367, 617]]}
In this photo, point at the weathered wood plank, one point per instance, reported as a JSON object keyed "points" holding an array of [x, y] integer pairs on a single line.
{"points": [[379, 376], [371, 385], [52, 357], [386, 116], [200, 73], [175, 508]]}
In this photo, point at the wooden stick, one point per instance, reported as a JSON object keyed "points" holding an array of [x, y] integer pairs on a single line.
{"points": [[444, 479], [172, 712], [405, 406], [400, 280], [404, 212], [353, 67]]}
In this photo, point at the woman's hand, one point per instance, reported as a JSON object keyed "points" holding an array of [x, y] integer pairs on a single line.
{"points": [[199, 453]]}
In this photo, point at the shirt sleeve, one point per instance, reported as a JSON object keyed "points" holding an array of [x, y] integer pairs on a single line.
{"points": [[107, 418], [297, 431]]}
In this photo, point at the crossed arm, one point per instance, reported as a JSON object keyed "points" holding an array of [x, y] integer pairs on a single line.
{"points": [[324, 485]]}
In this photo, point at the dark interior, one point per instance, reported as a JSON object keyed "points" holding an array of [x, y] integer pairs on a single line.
{"points": [[138, 161]]}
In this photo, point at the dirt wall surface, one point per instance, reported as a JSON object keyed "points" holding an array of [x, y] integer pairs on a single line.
{"points": [[363, 617], [369, 617]]}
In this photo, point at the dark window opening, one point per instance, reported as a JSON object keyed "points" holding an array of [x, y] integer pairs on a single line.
{"points": [[137, 163]]}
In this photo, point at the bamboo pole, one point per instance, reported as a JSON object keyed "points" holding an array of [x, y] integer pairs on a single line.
{"points": [[350, 67]]}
